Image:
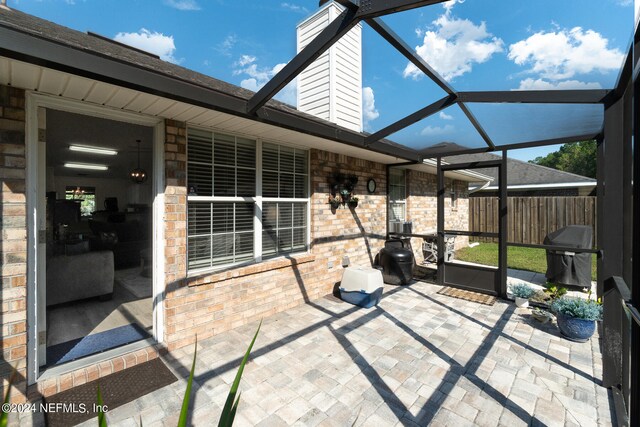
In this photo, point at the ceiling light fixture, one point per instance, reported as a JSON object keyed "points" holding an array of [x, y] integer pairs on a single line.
{"points": [[138, 175], [86, 166], [93, 150]]}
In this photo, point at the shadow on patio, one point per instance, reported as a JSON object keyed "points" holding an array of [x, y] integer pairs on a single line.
{"points": [[417, 358]]}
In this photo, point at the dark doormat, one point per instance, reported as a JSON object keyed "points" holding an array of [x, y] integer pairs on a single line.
{"points": [[95, 343], [424, 274], [116, 389], [468, 295]]}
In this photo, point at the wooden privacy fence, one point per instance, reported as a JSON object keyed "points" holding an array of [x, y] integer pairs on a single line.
{"points": [[532, 218]]}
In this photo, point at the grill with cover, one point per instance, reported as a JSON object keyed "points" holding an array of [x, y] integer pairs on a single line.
{"points": [[565, 267]]}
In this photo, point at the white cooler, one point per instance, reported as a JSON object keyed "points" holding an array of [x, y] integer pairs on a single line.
{"points": [[361, 286]]}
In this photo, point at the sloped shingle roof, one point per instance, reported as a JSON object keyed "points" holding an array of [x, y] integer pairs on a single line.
{"points": [[522, 173]]}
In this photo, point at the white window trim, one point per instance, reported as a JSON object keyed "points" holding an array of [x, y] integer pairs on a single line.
{"points": [[257, 201]]}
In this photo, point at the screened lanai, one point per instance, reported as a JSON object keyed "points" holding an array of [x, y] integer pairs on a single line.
{"points": [[504, 120]]}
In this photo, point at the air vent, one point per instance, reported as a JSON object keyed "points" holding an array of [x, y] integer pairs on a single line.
{"points": [[107, 39]]}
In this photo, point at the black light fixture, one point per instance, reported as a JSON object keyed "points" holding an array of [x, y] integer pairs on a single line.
{"points": [[138, 175]]}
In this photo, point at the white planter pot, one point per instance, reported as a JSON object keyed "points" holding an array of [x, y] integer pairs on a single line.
{"points": [[522, 302]]}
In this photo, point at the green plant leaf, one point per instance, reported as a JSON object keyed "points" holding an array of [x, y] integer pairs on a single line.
{"points": [[4, 416], [102, 417], [234, 409], [184, 412], [230, 406]]}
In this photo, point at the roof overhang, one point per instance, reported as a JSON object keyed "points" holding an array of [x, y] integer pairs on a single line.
{"points": [[431, 166]]}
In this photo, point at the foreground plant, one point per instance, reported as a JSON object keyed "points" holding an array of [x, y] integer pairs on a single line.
{"points": [[4, 415], [230, 406]]}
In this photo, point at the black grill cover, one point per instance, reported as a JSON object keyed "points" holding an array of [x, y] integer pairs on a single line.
{"points": [[567, 268]]}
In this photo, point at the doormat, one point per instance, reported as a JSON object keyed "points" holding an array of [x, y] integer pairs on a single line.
{"points": [[468, 295], [116, 389], [424, 274], [95, 343]]}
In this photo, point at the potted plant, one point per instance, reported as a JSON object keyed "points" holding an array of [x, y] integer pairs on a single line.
{"points": [[335, 202], [353, 202], [554, 291], [577, 317], [522, 292]]}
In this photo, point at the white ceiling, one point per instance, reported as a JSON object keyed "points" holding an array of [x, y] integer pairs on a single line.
{"points": [[65, 129]]}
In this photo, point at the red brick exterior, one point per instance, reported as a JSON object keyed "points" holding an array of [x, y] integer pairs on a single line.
{"points": [[212, 303], [13, 243], [209, 304]]}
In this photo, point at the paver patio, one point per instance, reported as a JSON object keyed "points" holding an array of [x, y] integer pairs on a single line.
{"points": [[417, 358]]}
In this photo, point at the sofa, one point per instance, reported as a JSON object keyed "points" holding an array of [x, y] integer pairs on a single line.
{"points": [[80, 276]]}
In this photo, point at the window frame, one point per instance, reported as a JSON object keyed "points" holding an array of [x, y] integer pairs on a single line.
{"points": [[401, 202], [90, 191], [256, 200]]}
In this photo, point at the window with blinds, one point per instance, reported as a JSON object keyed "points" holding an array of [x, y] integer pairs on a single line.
{"points": [[397, 198], [226, 197], [284, 176]]}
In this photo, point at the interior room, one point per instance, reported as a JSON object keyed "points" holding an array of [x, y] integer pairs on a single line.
{"points": [[98, 233]]}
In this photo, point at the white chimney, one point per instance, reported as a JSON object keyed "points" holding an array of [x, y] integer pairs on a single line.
{"points": [[331, 87]]}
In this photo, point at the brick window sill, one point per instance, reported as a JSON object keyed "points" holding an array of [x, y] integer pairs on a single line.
{"points": [[247, 270]]}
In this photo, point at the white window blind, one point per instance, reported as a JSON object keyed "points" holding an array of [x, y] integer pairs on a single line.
{"points": [[225, 199], [397, 195], [284, 175]]}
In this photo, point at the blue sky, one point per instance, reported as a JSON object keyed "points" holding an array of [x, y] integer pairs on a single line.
{"points": [[475, 45]]}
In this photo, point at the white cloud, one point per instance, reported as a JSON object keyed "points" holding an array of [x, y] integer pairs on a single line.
{"points": [[454, 46], [437, 130], [448, 5], [559, 55], [243, 61], [369, 112], [156, 43], [445, 116], [540, 84], [294, 7], [259, 76], [183, 4], [225, 46]]}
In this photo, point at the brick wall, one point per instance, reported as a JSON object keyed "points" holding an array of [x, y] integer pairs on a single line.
{"points": [[213, 303], [13, 246]]}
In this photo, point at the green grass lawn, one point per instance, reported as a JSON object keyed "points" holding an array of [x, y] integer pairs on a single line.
{"points": [[529, 259]]}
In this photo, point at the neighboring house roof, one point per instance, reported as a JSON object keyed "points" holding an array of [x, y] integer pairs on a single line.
{"points": [[524, 175]]}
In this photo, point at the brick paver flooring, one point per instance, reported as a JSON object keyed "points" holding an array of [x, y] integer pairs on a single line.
{"points": [[418, 358]]}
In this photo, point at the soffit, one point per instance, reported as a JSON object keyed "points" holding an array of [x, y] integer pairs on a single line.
{"points": [[52, 82]]}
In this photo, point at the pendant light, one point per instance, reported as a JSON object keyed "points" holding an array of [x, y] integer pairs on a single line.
{"points": [[138, 175]]}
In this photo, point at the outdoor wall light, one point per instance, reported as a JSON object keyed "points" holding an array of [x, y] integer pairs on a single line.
{"points": [[86, 166], [93, 150]]}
